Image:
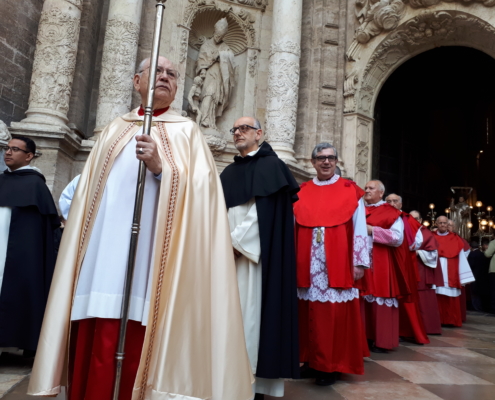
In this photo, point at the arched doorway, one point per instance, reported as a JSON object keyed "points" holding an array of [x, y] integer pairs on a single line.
{"points": [[433, 128]]}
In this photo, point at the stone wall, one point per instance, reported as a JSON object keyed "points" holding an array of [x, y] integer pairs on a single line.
{"points": [[18, 29]]}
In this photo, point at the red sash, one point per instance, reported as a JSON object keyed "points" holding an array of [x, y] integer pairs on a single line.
{"points": [[449, 247], [330, 206], [411, 228]]}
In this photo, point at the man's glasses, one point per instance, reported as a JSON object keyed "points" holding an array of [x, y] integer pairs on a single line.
{"points": [[171, 73], [323, 158], [13, 149], [242, 129]]}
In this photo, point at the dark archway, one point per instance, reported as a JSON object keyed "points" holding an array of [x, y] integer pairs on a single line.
{"points": [[433, 116]]}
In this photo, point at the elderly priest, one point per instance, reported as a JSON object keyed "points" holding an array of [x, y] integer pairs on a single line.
{"points": [[185, 335]]}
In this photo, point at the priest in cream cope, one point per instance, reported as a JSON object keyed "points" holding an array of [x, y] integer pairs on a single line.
{"points": [[259, 192], [185, 335]]}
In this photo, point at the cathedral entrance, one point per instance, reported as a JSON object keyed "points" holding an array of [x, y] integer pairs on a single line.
{"points": [[433, 129]]}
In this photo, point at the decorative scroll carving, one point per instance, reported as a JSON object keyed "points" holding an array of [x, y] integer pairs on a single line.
{"points": [[117, 69], [285, 47], [54, 61], [77, 3], [423, 32], [253, 3], [282, 92], [252, 63]]}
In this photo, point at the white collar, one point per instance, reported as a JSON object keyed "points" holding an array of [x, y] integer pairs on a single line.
{"points": [[252, 153], [18, 169], [333, 179], [443, 234], [376, 204]]}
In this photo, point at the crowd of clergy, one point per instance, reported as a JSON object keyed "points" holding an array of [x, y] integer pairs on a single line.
{"points": [[242, 280]]}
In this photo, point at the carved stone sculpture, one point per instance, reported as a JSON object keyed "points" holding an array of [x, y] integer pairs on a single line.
{"points": [[428, 3], [4, 133], [215, 66], [460, 213], [377, 16]]}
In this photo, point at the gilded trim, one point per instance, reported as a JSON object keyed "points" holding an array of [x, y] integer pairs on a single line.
{"points": [[170, 217]]}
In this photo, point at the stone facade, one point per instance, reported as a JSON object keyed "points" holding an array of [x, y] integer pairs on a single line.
{"points": [[310, 70]]}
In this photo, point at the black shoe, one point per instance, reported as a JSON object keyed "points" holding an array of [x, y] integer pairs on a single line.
{"points": [[376, 349], [326, 378], [306, 372], [259, 396]]}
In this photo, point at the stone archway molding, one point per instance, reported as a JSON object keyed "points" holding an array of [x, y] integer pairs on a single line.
{"points": [[425, 31], [421, 33]]}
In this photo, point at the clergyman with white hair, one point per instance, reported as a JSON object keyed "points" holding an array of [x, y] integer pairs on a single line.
{"points": [[385, 281], [185, 333]]}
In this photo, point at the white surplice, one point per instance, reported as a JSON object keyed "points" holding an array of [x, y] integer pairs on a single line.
{"points": [[465, 274], [244, 231], [66, 197], [394, 236], [100, 286]]}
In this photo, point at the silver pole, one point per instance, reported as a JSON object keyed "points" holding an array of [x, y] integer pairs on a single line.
{"points": [[138, 205]]}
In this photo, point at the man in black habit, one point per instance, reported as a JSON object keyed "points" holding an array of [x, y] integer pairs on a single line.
{"points": [[259, 192], [28, 225]]}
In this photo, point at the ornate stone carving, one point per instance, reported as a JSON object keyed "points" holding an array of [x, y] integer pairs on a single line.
{"points": [[54, 62], [77, 3], [184, 41], [4, 133], [429, 3], [253, 3], [243, 18], [377, 16], [117, 70], [285, 47], [421, 33], [252, 63], [216, 144], [282, 94], [350, 85]]}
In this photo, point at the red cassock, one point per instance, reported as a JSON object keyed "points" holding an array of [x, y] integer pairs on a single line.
{"points": [[331, 333], [387, 278], [449, 246], [429, 277], [410, 320]]}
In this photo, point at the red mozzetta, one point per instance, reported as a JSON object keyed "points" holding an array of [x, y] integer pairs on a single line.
{"points": [[332, 207]]}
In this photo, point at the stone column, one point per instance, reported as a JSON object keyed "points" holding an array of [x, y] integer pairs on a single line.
{"points": [[283, 77], [118, 61], [53, 66]]}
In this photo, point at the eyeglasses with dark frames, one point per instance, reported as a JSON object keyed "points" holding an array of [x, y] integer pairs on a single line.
{"points": [[242, 129], [13, 149], [323, 158]]}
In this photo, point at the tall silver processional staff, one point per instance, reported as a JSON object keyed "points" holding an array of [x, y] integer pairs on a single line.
{"points": [[138, 205]]}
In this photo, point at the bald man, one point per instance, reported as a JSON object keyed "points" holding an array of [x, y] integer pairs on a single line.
{"points": [[385, 281], [456, 272]]}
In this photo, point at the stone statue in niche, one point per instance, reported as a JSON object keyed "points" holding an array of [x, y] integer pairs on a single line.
{"points": [[215, 66], [195, 94]]}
